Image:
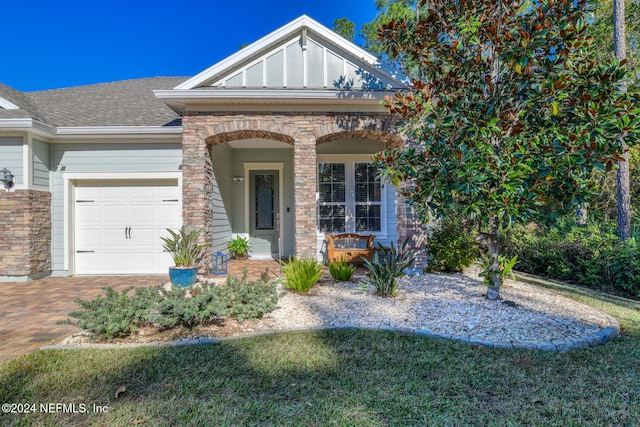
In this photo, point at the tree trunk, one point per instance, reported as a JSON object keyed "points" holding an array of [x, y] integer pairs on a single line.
{"points": [[582, 214], [493, 291], [623, 196], [622, 174]]}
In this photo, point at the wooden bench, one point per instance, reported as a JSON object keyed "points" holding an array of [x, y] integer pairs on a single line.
{"points": [[350, 247]]}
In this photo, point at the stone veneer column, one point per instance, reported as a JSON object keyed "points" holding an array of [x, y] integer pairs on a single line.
{"points": [[197, 184], [304, 176], [25, 234], [410, 227]]}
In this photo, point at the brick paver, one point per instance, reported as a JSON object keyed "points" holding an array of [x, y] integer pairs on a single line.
{"points": [[29, 312]]}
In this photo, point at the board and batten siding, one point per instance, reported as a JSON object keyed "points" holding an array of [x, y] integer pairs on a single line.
{"points": [[11, 152], [41, 166], [222, 200], [97, 158]]}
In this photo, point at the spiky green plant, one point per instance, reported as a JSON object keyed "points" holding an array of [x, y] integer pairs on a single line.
{"points": [[300, 274], [341, 270], [385, 267], [184, 247]]}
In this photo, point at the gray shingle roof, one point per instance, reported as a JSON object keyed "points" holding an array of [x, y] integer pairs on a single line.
{"points": [[19, 99], [122, 103]]}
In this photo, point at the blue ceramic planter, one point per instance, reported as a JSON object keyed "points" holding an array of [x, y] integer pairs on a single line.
{"points": [[181, 276]]}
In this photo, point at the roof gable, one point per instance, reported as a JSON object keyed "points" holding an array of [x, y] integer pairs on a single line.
{"points": [[302, 54]]}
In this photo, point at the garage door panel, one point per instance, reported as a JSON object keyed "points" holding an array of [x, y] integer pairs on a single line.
{"points": [[112, 194], [115, 263], [87, 214], [167, 192], [91, 262], [114, 239], [107, 213], [141, 214], [85, 193], [146, 193], [168, 213], [115, 214], [143, 262], [164, 260], [143, 238], [88, 238]]}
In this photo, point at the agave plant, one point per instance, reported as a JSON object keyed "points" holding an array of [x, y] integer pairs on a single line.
{"points": [[385, 267], [184, 247]]}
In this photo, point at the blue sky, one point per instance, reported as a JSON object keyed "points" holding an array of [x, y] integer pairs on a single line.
{"points": [[54, 44]]}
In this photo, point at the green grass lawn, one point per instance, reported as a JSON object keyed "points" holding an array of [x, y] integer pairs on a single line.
{"points": [[338, 377]]}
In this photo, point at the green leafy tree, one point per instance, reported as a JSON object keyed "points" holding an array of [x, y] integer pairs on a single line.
{"points": [[602, 30], [345, 28], [510, 115], [387, 11]]}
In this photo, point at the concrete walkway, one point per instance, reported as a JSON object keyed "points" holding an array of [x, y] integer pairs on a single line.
{"points": [[29, 312]]}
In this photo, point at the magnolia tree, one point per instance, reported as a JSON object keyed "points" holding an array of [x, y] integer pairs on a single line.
{"points": [[509, 113]]}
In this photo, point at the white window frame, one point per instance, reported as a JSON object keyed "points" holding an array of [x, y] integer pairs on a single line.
{"points": [[349, 160]]}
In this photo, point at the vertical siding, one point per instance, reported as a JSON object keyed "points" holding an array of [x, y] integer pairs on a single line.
{"points": [[222, 200], [11, 156], [40, 163], [103, 157]]}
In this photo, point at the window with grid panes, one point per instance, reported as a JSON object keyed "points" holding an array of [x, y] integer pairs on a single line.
{"points": [[349, 198], [331, 197]]}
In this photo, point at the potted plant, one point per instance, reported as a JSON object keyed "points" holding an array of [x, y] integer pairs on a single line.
{"points": [[186, 252], [239, 247]]}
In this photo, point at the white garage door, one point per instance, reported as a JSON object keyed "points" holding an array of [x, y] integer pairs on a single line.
{"points": [[118, 226]]}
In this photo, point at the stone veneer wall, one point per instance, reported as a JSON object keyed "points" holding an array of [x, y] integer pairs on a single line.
{"points": [[411, 228], [304, 131], [25, 233]]}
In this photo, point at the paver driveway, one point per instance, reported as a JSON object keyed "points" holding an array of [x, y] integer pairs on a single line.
{"points": [[29, 312]]}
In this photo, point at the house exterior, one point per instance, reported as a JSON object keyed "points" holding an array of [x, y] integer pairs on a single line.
{"points": [[273, 143]]}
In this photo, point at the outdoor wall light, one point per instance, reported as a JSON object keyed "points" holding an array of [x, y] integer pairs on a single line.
{"points": [[238, 179], [6, 178]]}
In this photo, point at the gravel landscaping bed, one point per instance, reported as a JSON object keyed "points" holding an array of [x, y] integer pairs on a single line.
{"points": [[450, 306]]}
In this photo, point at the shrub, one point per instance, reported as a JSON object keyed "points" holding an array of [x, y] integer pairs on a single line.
{"points": [[452, 247], [341, 270], [385, 267], [115, 314], [591, 255], [244, 300], [187, 307], [300, 274]]}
